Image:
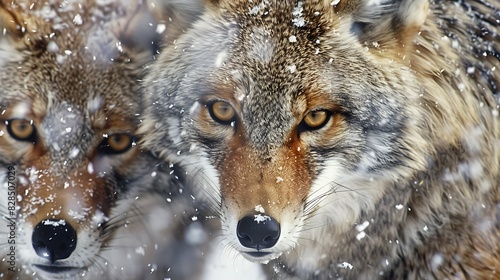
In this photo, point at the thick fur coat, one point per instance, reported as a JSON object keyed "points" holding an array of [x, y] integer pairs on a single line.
{"points": [[350, 139], [79, 197]]}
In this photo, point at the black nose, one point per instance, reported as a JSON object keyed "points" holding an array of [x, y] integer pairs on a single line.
{"points": [[258, 232], [54, 239]]}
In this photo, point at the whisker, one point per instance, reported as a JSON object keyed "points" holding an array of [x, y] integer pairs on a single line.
{"points": [[206, 185]]}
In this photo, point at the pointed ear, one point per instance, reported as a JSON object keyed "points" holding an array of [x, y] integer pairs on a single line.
{"points": [[20, 30], [12, 35], [155, 23], [137, 31], [160, 20], [385, 23], [175, 16], [11, 25]]}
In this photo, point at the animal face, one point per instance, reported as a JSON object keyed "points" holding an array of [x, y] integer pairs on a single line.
{"points": [[68, 120], [286, 119]]}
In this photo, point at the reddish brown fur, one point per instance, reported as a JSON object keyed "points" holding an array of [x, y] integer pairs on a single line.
{"points": [[281, 183]]}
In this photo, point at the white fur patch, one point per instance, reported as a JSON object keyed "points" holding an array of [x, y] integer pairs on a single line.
{"points": [[372, 9], [225, 263], [221, 57], [174, 132], [8, 52], [21, 110], [208, 182], [414, 12], [262, 47], [376, 143], [342, 199]]}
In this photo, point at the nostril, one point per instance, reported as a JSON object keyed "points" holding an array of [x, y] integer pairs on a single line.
{"points": [[258, 232], [271, 239], [244, 238], [54, 239]]}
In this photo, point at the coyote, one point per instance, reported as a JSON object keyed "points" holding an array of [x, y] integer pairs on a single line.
{"points": [[352, 139], [72, 177]]}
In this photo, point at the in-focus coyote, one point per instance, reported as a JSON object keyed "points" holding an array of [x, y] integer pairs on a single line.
{"points": [[341, 139]]}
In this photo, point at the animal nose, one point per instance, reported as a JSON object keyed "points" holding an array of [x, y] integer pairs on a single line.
{"points": [[54, 239], [258, 232]]}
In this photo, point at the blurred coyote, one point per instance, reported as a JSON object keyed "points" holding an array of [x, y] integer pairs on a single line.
{"points": [[71, 174], [352, 139]]}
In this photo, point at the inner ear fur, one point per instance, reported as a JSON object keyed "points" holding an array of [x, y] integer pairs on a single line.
{"points": [[137, 31], [153, 23], [22, 30], [11, 24], [385, 23]]}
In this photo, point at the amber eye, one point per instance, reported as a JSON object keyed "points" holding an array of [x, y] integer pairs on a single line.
{"points": [[222, 112], [21, 129], [116, 143], [316, 119]]}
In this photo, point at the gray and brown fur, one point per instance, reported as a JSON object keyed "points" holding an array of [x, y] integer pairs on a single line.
{"points": [[72, 69], [403, 180]]}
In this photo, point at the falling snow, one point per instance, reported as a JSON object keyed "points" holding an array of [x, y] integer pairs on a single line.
{"points": [[470, 169], [160, 28], [298, 19], [77, 20], [261, 218], [54, 223], [52, 47], [345, 265], [74, 152], [140, 251], [259, 209], [90, 168], [361, 235], [292, 68], [257, 9], [362, 226], [76, 215]]}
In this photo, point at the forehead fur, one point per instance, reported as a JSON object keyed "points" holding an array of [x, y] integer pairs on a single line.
{"points": [[271, 61], [72, 51], [271, 54]]}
